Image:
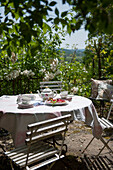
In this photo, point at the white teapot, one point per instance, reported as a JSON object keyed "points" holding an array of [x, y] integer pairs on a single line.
{"points": [[47, 93]]}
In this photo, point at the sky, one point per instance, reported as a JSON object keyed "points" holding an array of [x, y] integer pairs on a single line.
{"points": [[77, 38]]}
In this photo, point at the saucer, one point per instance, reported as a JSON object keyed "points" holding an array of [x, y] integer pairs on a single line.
{"points": [[24, 106]]}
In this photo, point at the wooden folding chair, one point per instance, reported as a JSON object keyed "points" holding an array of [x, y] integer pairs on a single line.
{"points": [[41, 144], [53, 85], [108, 127]]}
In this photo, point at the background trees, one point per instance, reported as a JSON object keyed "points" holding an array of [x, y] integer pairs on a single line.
{"points": [[30, 39], [98, 57]]}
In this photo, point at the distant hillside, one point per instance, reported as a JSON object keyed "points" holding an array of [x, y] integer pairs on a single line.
{"points": [[69, 53]]}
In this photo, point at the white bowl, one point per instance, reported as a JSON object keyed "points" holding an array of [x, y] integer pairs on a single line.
{"points": [[64, 94]]}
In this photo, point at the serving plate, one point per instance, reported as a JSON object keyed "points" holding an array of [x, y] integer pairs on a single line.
{"points": [[56, 102]]}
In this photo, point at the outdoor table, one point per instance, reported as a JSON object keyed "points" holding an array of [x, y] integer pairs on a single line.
{"points": [[15, 120]]}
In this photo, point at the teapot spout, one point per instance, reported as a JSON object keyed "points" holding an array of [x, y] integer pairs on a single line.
{"points": [[39, 93]]}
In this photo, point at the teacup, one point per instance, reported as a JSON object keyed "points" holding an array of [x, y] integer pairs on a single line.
{"points": [[26, 100], [31, 96], [64, 94]]}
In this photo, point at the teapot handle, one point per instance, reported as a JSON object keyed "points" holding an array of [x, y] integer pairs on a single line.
{"points": [[55, 93]]}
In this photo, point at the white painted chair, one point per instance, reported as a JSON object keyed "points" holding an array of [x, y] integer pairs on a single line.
{"points": [[108, 127], [53, 85], [41, 144]]}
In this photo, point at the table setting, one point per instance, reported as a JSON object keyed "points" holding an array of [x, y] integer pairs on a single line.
{"points": [[47, 97], [27, 101], [17, 111]]}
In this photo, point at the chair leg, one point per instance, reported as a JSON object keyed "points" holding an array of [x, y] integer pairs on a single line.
{"points": [[109, 111], [105, 145], [11, 165], [102, 107], [50, 166], [1, 146], [88, 145]]}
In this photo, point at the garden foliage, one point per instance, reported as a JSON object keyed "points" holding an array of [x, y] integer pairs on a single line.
{"points": [[31, 38]]}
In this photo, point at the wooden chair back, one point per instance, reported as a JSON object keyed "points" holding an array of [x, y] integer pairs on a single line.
{"points": [[41, 144], [53, 85], [46, 129]]}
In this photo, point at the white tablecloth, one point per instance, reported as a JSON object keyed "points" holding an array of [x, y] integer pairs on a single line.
{"points": [[16, 120]]}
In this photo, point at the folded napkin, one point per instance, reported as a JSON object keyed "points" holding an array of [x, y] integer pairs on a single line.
{"points": [[38, 103]]}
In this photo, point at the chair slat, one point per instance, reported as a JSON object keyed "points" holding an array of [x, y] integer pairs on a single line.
{"points": [[50, 86], [107, 122], [35, 155], [45, 129], [22, 152], [34, 158], [46, 162], [34, 152], [45, 135], [49, 121], [51, 82], [53, 85], [104, 124]]}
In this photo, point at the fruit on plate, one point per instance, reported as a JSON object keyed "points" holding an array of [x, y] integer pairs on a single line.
{"points": [[56, 100]]}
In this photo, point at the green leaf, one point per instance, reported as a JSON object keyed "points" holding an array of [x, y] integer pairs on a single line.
{"points": [[56, 20], [53, 3], [69, 30], [57, 12], [50, 9], [78, 24], [73, 27], [63, 14], [49, 19], [64, 22], [46, 27]]}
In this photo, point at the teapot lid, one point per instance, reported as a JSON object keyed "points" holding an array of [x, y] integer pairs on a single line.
{"points": [[47, 90]]}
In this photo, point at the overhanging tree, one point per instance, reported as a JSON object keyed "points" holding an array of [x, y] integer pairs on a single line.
{"points": [[32, 15]]}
